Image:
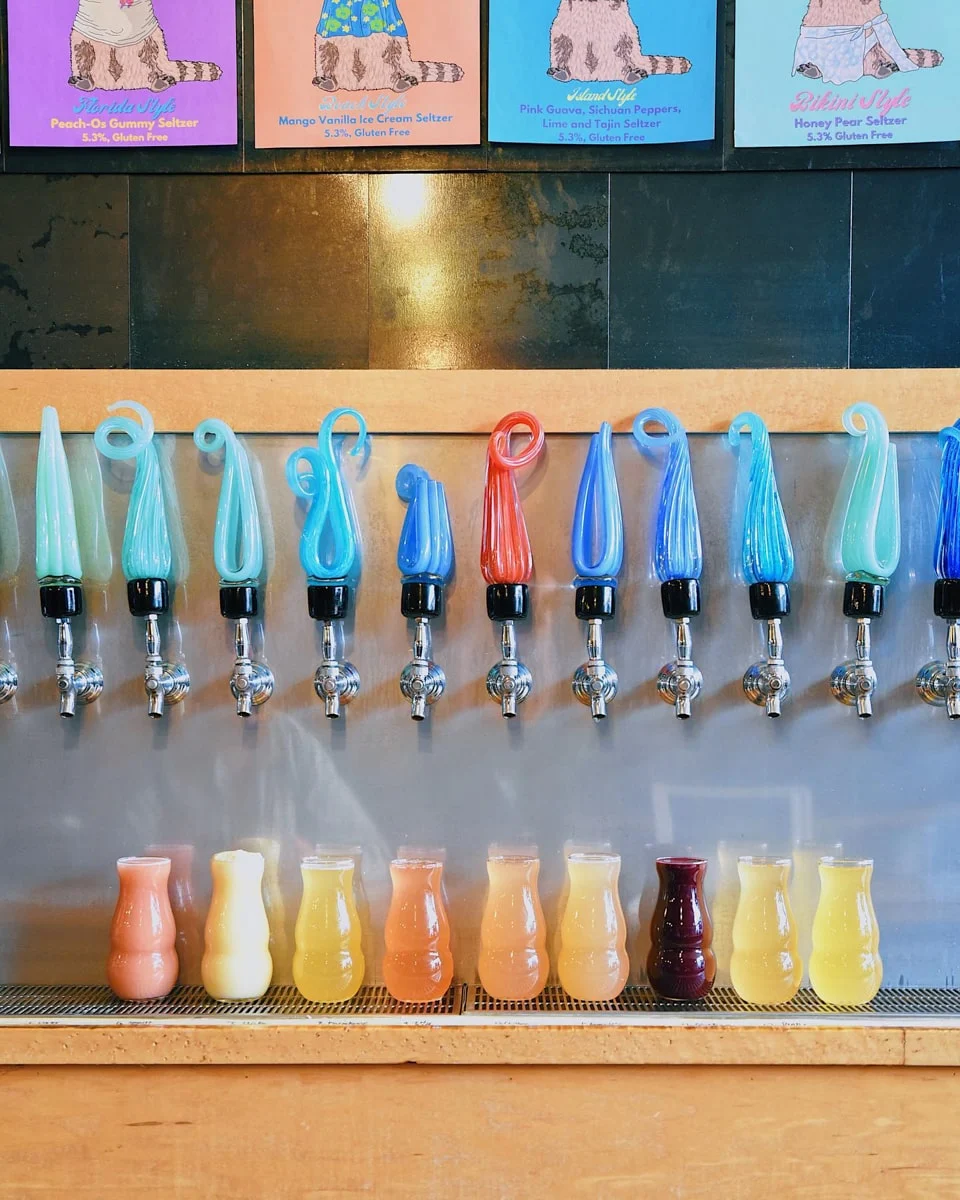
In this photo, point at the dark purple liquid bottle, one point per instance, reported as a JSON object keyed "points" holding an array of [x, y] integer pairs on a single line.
{"points": [[681, 965]]}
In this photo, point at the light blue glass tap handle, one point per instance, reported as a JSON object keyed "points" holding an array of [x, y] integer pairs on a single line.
{"points": [[679, 551], [596, 541], [767, 549], [237, 541], [58, 546], [330, 542], [146, 552], [425, 550], [866, 517], [947, 558]]}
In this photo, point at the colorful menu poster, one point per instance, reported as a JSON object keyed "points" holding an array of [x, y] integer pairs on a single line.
{"points": [[847, 72], [349, 73], [122, 73], [595, 72]]}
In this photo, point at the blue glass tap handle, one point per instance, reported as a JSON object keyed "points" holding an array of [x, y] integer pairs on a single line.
{"points": [[425, 550], [946, 596], [678, 554], [596, 542], [237, 541], [147, 552], [767, 553], [329, 544]]}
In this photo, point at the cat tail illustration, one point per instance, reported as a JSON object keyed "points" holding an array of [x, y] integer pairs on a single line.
{"points": [[661, 64], [195, 72], [924, 58]]}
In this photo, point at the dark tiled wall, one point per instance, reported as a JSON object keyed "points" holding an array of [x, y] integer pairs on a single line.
{"points": [[732, 269]]}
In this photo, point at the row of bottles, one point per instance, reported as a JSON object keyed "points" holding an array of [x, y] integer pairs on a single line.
{"points": [[863, 546], [591, 957]]}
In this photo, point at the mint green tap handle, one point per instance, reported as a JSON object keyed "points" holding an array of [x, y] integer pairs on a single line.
{"points": [[9, 530], [147, 552], [868, 503], [237, 542], [58, 547]]}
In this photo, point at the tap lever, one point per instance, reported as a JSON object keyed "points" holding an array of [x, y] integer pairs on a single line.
{"points": [[853, 683], [422, 682], [76, 681], [164, 682], [251, 683], [509, 681], [335, 682]]}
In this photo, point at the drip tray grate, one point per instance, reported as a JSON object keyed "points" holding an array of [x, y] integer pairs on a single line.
{"points": [[724, 1001], [280, 1003]]}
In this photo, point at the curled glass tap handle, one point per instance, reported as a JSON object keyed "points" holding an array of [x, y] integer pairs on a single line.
{"points": [[330, 540], [679, 552], [505, 553], [947, 558], [425, 550], [237, 542], [767, 549], [596, 544], [867, 512], [58, 547], [147, 552]]}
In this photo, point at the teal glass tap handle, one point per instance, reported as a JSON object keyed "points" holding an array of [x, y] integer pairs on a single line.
{"points": [[58, 546], [767, 554], [330, 542], [237, 540], [678, 553], [596, 541], [868, 503], [147, 552]]}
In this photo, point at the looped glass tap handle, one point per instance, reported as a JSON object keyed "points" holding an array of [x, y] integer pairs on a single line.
{"points": [[237, 540], [505, 552], [938, 682], [330, 540], [868, 503]]}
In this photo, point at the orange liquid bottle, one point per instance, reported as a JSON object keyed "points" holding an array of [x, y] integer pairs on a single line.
{"points": [[513, 962], [593, 962], [418, 964]]}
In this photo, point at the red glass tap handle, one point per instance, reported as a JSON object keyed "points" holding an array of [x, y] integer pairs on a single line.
{"points": [[505, 554]]}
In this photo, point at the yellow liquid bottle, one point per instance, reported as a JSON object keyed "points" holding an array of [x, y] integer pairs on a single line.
{"points": [[765, 965], [593, 963], [328, 960], [513, 963], [236, 961], [845, 964]]}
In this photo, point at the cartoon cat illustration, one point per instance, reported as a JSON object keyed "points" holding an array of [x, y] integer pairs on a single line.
{"points": [[362, 45], [843, 40], [118, 45], [598, 40]]}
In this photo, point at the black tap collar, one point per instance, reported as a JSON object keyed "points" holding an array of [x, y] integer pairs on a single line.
{"points": [[680, 598], [769, 600], [862, 599], [61, 600], [596, 601], [146, 597], [238, 600], [328, 601], [507, 601], [946, 599], [421, 598]]}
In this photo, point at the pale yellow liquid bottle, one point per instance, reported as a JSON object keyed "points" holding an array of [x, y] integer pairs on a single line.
{"points": [[805, 892], [273, 902], [765, 965], [513, 963], [845, 965], [593, 963], [236, 958], [328, 962]]}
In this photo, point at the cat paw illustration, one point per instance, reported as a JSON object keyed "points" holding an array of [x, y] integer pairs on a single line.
{"points": [[559, 74], [83, 82], [325, 83]]}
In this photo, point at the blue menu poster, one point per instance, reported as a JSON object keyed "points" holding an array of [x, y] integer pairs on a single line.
{"points": [[847, 72], [595, 72]]}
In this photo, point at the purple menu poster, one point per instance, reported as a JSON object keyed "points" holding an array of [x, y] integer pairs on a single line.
{"points": [[122, 73]]}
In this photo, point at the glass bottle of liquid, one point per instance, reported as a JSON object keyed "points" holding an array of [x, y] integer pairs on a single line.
{"points": [[845, 964], [513, 963], [418, 963], [681, 964], [328, 961], [593, 963], [143, 961], [236, 959], [805, 892], [765, 966]]}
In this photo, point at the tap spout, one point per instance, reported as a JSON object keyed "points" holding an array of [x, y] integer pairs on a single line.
{"points": [[509, 681], [595, 682], [422, 681], [335, 682], [679, 682], [251, 683], [164, 682]]}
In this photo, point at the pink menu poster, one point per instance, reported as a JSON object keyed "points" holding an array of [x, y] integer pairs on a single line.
{"points": [[349, 73], [122, 73]]}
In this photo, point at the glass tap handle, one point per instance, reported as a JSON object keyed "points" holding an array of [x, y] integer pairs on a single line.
{"points": [[938, 682]]}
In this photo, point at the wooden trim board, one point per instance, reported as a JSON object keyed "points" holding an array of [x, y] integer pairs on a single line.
{"points": [[473, 401]]}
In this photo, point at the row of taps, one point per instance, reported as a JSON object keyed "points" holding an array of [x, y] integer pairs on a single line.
{"points": [[865, 528]]}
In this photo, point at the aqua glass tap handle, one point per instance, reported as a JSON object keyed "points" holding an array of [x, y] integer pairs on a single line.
{"points": [[767, 549], [147, 552], [679, 551], [868, 504], [596, 542], [58, 547], [947, 558], [237, 541], [425, 550], [330, 540]]}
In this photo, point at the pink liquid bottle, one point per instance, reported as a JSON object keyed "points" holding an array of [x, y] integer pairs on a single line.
{"points": [[418, 963], [513, 962], [143, 963]]}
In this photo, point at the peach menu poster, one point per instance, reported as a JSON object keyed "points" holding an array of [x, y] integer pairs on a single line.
{"points": [[340, 73]]}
